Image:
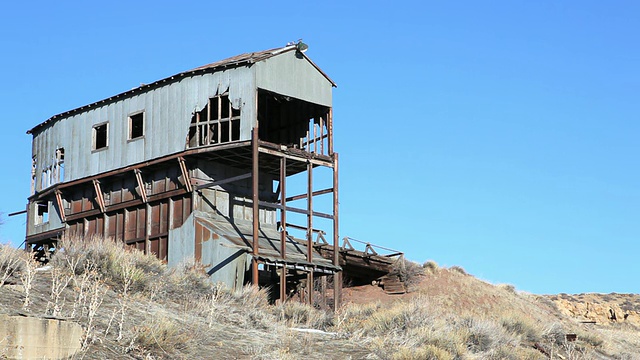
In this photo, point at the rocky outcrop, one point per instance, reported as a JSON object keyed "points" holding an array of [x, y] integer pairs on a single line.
{"points": [[600, 308]]}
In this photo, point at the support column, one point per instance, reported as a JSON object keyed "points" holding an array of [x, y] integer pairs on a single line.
{"points": [[337, 277], [310, 229], [283, 224], [255, 199]]}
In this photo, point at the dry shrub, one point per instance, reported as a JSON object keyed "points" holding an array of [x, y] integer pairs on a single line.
{"points": [[431, 266], [184, 284], [458, 269], [119, 267], [508, 288], [590, 339], [161, 333], [11, 262], [523, 327], [296, 314], [427, 352], [554, 334], [408, 272], [399, 318], [485, 335]]}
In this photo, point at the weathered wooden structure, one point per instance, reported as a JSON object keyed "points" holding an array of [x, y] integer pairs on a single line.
{"points": [[195, 166]]}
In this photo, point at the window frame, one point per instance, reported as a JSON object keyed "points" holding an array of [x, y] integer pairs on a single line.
{"points": [[219, 126], [94, 136], [130, 124]]}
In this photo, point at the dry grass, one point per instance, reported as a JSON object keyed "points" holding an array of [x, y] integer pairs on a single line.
{"points": [[133, 306]]}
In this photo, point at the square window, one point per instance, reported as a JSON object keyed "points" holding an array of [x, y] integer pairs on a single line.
{"points": [[136, 125], [42, 212], [100, 136]]}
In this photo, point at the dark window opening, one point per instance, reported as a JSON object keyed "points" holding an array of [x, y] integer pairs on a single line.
{"points": [[100, 136], [136, 126], [218, 122], [42, 212]]}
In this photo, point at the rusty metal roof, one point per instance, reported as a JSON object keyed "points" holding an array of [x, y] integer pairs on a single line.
{"points": [[241, 235], [234, 61]]}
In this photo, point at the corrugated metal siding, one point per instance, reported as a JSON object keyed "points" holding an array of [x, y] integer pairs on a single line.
{"points": [[289, 75], [168, 112]]}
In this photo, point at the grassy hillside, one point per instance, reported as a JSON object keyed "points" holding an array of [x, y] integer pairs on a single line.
{"points": [[132, 306]]}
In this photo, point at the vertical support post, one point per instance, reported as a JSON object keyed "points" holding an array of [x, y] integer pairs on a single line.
{"points": [[323, 290], [147, 229], [283, 224], [330, 130], [255, 199], [310, 229], [322, 135], [337, 277]]}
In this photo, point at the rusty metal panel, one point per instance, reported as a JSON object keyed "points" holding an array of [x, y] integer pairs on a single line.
{"points": [[119, 225], [177, 212], [159, 247], [155, 219], [141, 222], [164, 216], [111, 225], [130, 225]]}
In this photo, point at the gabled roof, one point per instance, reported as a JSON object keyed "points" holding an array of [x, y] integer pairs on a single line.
{"points": [[232, 62]]}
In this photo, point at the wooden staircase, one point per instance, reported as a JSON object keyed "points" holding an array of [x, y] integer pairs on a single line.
{"points": [[391, 284]]}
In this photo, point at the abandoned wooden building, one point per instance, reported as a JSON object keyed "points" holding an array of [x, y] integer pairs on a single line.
{"points": [[195, 166]]}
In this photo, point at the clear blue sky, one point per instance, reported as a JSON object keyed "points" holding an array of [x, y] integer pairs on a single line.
{"points": [[501, 136]]}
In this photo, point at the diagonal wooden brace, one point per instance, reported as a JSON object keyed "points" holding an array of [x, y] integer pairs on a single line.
{"points": [[185, 174], [142, 191]]}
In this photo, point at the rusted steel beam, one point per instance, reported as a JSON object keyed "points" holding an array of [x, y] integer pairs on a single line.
{"points": [[255, 197], [59, 201], [295, 210], [320, 139], [142, 191], [99, 197], [337, 278], [185, 174], [330, 133], [322, 135], [314, 161], [17, 213], [283, 221], [310, 226], [223, 181], [304, 228], [315, 193]]}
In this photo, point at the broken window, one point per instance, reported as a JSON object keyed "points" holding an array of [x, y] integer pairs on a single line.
{"points": [[218, 122], [34, 174], [45, 179], [100, 136], [42, 212], [293, 122], [136, 125], [58, 167]]}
